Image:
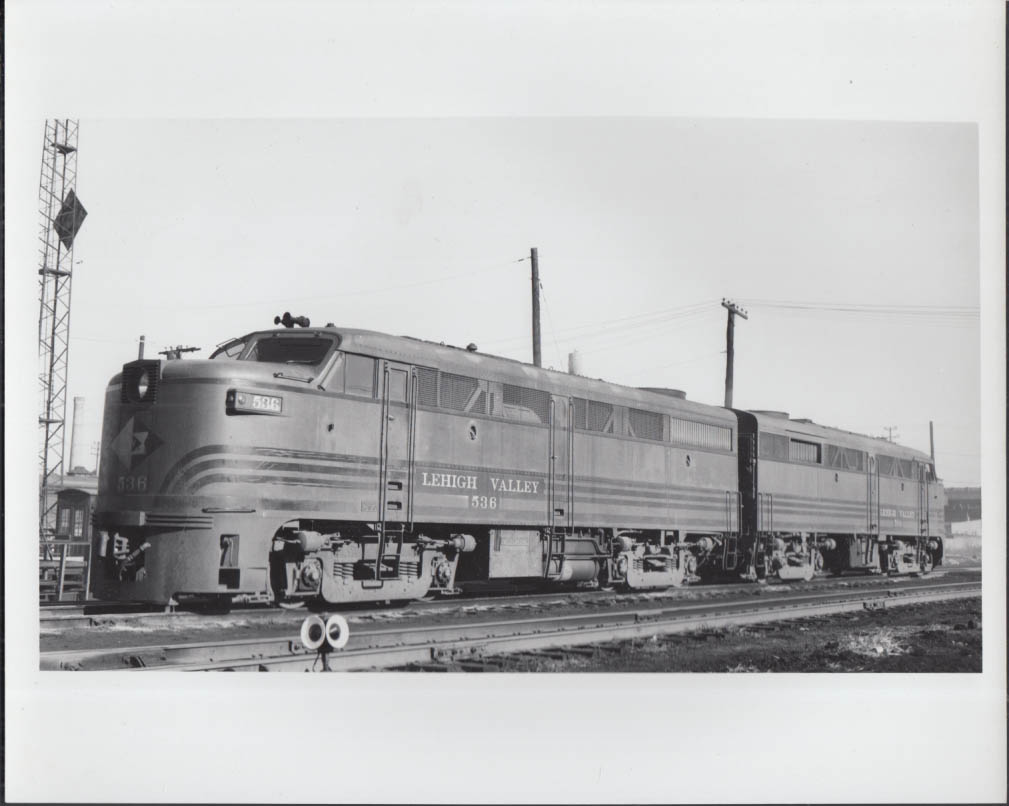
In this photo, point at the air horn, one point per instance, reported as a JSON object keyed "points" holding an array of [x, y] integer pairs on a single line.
{"points": [[290, 321]]}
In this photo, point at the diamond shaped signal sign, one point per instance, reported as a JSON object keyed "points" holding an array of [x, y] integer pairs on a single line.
{"points": [[69, 219]]}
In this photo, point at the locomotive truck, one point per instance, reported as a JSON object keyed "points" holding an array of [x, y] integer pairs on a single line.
{"points": [[332, 464]]}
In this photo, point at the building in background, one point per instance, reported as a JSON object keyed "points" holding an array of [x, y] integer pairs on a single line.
{"points": [[963, 504]]}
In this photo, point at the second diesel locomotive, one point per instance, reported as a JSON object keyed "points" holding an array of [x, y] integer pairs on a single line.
{"points": [[348, 465]]}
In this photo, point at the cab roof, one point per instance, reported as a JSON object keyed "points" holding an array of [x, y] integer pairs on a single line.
{"points": [[780, 423], [450, 358]]}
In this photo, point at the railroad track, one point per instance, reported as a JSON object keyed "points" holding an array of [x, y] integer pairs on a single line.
{"points": [[393, 646], [64, 617]]}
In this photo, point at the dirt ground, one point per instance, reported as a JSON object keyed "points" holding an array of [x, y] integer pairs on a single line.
{"points": [[939, 637], [962, 551]]}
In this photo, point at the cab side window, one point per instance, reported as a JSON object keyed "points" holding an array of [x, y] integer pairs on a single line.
{"points": [[397, 385], [359, 373]]}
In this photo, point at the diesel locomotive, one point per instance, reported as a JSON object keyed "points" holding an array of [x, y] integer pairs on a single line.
{"points": [[340, 465]]}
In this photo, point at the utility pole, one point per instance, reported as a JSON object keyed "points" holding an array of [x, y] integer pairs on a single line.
{"points": [[534, 257], [889, 432], [734, 310], [931, 442]]}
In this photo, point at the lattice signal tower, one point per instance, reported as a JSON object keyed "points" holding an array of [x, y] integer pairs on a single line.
{"points": [[61, 216]]}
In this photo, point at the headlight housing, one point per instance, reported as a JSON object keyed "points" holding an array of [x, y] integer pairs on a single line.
{"points": [[140, 381]]}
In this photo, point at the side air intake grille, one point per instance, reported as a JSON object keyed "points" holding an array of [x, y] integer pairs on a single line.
{"points": [[593, 416], [645, 424], [601, 418], [533, 400], [427, 387], [459, 392], [699, 435]]}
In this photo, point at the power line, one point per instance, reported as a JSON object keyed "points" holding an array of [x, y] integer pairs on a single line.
{"points": [[862, 305], [941, 314], [597, 331], [630, 339], [550, 321]]}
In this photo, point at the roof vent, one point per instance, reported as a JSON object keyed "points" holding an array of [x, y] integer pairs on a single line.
{"points": [[679, 394], [801, 420], [769, 413]]}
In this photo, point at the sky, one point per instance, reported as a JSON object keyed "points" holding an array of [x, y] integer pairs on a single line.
{"points": [[853, 245], [388, 165]]}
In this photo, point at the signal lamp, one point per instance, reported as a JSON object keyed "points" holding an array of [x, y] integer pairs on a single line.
{"points": [[337, 631], [313, 632]]}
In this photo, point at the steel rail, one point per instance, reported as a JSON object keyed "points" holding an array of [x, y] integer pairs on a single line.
{"points": [[72, 617], [395, 646]]}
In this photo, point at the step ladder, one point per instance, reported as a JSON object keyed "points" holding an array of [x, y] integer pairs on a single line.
{"points": [[64, 571], [389, 553], [730, 555]]}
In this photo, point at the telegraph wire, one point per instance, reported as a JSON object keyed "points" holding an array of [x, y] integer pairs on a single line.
{"points": [[647, 319], [938, 314], [553, 332]]}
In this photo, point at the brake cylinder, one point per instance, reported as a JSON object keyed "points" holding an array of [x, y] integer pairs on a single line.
{"points": [[309, 541]]}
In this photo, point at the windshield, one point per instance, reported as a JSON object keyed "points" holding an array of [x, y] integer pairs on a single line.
{"points": [[230, 349], [308, 350], [305, 349]]}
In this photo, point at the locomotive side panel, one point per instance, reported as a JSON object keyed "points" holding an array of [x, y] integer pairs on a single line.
{"points": [[470, 470], [845, 501], [899, 514], [806, 488], [501, 477]]}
